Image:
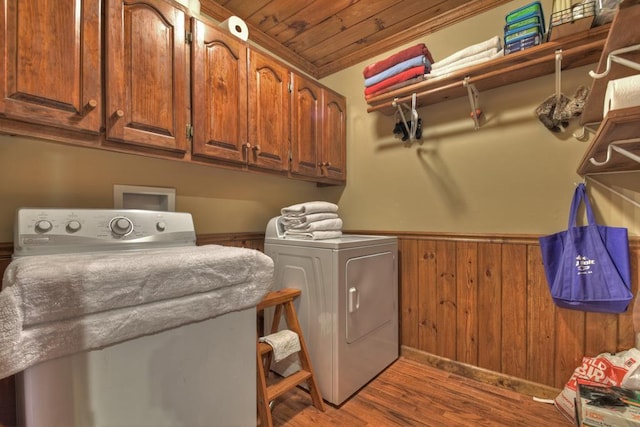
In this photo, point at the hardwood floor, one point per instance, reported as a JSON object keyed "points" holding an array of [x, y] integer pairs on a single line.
{"points": [[409, 393]]}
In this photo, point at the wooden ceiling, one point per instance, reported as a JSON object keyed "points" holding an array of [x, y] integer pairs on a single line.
{"points": [[322, 37]]}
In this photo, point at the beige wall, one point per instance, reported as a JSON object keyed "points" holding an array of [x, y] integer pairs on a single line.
{"points": [[36, 173], [510, 176]]}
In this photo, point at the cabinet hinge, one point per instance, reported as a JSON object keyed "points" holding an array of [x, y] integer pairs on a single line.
{"points": [[189, 131], [188, 37]]}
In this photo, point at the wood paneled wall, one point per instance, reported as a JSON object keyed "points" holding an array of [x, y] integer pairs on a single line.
{"points": [[481, 301], [484, 301]]}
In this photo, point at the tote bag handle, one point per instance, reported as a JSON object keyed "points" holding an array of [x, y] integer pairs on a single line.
{"points": [[580, 196]]}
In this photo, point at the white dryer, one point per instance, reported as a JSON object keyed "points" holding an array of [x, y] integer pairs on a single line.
{"points": [[348, 309]]}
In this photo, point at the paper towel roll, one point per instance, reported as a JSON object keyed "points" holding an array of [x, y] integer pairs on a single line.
{"points": [[622, 93], [236, 27]]}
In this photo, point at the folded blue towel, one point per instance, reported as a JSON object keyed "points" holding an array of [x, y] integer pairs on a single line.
{"points": [[391, 71]]}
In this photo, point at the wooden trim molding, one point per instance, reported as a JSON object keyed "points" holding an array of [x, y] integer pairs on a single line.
{"points": [[479, 374]]}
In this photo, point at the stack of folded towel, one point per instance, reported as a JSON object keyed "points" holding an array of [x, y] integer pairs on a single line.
{"points": [[400, 69], [467, 57], [311, 220]]}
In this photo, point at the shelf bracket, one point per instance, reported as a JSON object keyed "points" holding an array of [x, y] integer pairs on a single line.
{"points": [[474, 95], [617, 193], [585, 130], [614, 147], [613, 57], [412, 125]]}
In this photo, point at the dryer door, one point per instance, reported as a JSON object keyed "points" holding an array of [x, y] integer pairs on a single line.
{"points": [[370, 294]]}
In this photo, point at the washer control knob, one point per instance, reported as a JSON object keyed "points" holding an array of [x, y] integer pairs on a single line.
{"points": [[43, 226], [121, 226], [161, 226], [73, 226]]}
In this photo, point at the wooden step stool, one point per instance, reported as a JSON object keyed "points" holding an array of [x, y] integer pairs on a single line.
{"points": [[283, 299]]}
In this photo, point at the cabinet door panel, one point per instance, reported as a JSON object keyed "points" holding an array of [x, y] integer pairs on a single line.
{"points": [[51, 62], [334, 136], [306, 119], [146, 74], [219, 86], [269, 105]]}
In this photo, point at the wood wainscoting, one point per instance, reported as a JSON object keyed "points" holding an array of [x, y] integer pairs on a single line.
{"points": [[476, 305], [483, 301]]}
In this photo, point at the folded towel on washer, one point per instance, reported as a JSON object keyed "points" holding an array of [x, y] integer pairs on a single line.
{"points": [[284, 343], [313, 235], [308, 208], [321, 225], [303, 220], [52, 306]]}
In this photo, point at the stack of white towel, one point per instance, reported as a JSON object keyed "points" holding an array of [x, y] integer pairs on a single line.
{"points": [[311, 220], [467, 57]]}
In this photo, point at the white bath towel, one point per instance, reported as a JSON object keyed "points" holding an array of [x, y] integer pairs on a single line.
{"points": [[303, 220], [313, 235], [52, 307], [493, 42], [480, 55], [321, 225], [309, 208], [463, 64], [284, 343]]}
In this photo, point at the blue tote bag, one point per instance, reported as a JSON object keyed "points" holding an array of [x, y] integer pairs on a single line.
{"points": [[587, 267]]}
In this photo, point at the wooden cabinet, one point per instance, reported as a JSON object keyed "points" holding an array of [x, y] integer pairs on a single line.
{"points": [[334, 136], [306, 127], [318, 132], [146, 74], [228, 105], [269, 107], [51, 63], [219, 86]]}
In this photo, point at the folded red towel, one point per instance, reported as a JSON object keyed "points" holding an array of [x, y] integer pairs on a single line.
{"points": [[397, 78], [400, 85], [396, 58]]}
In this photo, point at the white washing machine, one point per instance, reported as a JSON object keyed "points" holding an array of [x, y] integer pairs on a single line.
{"points": [[348, 309], [202, 373]]}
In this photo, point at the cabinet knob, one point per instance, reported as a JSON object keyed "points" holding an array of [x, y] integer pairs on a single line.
{"points": [[119, 113], [327, 164], [256, 148], [92, 103]]}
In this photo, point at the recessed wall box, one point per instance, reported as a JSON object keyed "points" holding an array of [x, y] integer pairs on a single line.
{"points": [[148, 198]]}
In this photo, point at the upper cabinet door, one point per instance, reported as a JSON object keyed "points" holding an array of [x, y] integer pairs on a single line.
{"points": [[51, 64], [306, 127], [334, 136], [219, 85], [269, 105], [147, 89]]}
